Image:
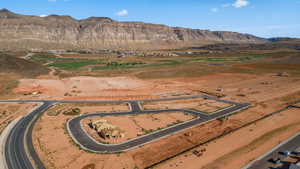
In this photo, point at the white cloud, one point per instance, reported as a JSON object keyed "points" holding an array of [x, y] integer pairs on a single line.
{"points": [[123, 12], [241, 3], [43, 15], [214, 9]]}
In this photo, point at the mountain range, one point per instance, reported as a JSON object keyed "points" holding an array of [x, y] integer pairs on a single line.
{"points": [[64, 32]]}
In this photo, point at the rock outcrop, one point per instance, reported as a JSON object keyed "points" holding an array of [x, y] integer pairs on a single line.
{"points": [[54, 31]]}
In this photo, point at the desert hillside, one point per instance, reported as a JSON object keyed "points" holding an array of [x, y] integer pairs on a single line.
{"points": [[54, 31]]}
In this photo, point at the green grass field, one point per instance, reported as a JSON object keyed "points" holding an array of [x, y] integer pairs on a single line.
{"points": [[165, 62], [77, 63]]}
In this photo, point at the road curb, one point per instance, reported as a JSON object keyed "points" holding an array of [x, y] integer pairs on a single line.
{"points": [[239, 107], [270, 151], [26, 131], [3, 139]]}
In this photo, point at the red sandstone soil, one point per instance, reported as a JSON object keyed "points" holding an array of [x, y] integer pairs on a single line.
{"points": [[122, 87], [266, 92], [11, 111], [137, 125], [199, 104], [90, 108], [238, 148]]}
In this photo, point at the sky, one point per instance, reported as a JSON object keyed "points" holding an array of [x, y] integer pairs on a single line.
{"points": [[264, 18]]}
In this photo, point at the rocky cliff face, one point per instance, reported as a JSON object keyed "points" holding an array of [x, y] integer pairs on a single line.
{"points": [[99, 32]]}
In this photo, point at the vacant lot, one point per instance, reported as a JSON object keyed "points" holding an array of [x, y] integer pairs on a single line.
{"points": [[250, 142], [242, 76], [264, 91], [10, 111], [138, 125], [88, 108], [199, 104]]}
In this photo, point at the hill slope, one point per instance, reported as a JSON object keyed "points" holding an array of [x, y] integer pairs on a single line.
{"points": [[52, 32], [11, 64]]}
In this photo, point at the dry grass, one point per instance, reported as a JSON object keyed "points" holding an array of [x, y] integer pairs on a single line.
{"points": [[194, 65], [8, 81]]}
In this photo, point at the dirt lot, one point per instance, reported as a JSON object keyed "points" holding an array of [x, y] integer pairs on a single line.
{"points": [[236, 86], [264, 135], [10, 111], [252, 81], [256, 83], [267, 92], [138, 125], [199, 104], [88, 108]]}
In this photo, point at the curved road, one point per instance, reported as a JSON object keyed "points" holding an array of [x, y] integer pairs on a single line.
{"points": [[19, 145], [86, 142], [20, 153]]}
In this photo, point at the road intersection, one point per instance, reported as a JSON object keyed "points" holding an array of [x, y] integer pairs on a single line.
{"points": [[20, 153]]}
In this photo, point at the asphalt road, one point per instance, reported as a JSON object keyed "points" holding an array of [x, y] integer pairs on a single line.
{"points": [[20, 153], [86, 142], [17, 153], [291, 144], [264, 162]]}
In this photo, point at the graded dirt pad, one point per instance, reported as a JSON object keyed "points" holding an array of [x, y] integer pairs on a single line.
{"points": [[261, 89], [240, 147], [10, 111], [235, 86], [198, 104], [86, 108], [81, 86], [137, 125], [57, 150], [200, 134], [265, 92], [53, 153], [115, 88]]}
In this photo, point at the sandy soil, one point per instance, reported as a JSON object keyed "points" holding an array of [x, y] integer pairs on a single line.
{"points": [[241, 87], [136, 125], [140, 157], [264, 91], [199, 104], [248, 144], [89, 108], [117, 87], [58, 151], [11, 111]]}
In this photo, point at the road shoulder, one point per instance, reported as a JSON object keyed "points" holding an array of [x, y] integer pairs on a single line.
{"points": [[3, 138]]}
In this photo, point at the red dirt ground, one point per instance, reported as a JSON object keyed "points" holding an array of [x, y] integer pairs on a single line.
{"points": [[266, 92], [11, 111], [137, 125], [199, 104]]}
